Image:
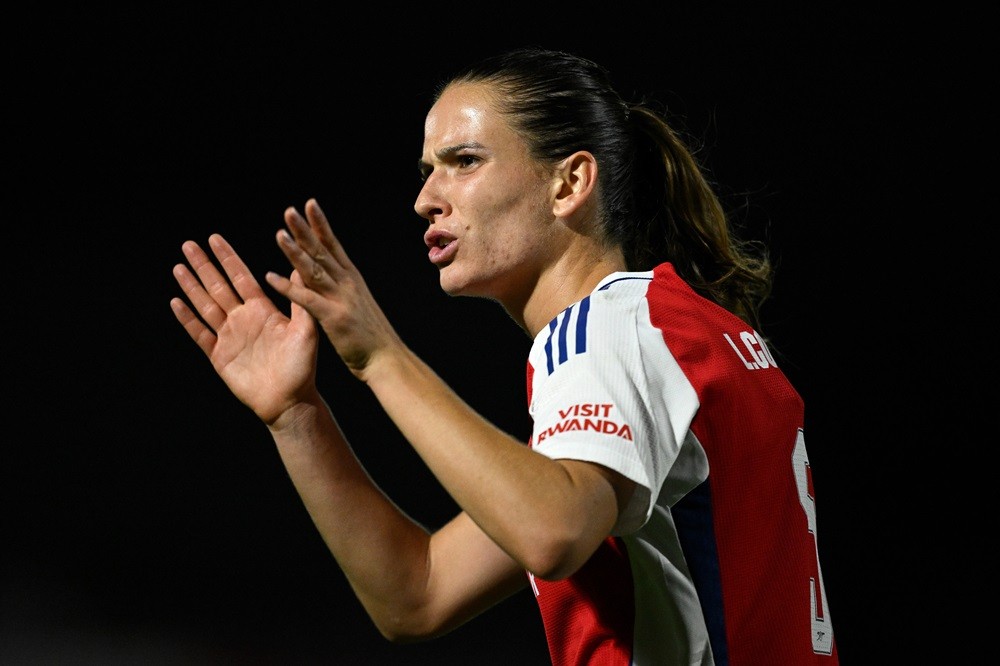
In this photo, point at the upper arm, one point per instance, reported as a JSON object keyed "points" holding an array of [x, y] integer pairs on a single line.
{"points": [[590, 508], [610, 490]]}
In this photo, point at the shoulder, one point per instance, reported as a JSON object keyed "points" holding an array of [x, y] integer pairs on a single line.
{"points": [[605, 318]]}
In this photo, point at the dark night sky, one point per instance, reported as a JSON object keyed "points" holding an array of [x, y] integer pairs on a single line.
{"points": [[147, 517]]}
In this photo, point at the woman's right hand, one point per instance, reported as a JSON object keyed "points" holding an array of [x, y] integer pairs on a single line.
{"points": [[330, 287], [267, 359]]}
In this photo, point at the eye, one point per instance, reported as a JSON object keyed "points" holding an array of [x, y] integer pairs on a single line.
{"points": [[465, 161]]}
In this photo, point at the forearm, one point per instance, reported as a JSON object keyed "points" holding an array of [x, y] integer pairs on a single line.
{"points": [[382, 552], [547, 516]]}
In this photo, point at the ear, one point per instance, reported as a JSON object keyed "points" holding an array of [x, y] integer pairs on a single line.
{"points": [[574, 185]]}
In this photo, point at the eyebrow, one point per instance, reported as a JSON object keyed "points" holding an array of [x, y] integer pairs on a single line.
{"points": [[447, 152]]}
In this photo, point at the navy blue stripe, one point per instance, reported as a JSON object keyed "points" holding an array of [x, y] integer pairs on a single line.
{"points": [[693, 518], [548, 348], [563, 355], [581, 326]]}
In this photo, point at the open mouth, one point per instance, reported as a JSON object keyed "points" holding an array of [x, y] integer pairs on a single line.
{"points": [[441, 248]]}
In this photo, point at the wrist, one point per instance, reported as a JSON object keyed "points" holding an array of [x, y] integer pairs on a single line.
{"points": [[297, 415]]}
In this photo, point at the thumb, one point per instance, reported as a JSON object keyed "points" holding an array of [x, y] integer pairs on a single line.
{"points": [[301, 319]]}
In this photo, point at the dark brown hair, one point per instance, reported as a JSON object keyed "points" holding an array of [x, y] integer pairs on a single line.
{"points": [[656, 201]]}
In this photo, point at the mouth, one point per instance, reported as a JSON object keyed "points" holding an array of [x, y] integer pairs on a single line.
{"points": [[441, 247]]}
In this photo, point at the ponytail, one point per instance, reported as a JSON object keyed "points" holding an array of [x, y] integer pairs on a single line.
{"points": [[680, 219]]}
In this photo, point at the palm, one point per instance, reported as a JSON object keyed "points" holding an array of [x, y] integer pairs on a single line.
{"points": [[266, 358], [263, 358]]}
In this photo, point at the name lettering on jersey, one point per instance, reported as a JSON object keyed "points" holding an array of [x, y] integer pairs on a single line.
{"points": [[754, 354], [587, 416]]}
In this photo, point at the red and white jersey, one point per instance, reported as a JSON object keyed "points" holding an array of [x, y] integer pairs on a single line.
{"points": [[714, 560]]}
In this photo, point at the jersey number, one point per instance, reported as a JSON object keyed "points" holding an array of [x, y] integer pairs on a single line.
{"points": [[822, 628]]}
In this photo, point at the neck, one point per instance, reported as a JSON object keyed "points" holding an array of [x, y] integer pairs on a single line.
{"points": [[570, 279]]}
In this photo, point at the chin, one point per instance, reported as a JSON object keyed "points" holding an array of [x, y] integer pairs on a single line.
{"points": [[453, 290], [449, 285], [455, 285], [449, 291]]}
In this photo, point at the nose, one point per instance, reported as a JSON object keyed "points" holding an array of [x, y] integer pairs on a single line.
{"points": [[429, 204]]}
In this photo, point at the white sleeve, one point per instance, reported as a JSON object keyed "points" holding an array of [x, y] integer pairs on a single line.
{"points": [[591, 400]]}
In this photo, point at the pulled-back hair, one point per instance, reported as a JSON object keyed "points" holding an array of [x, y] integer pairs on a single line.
{"points": [[654, 198]]}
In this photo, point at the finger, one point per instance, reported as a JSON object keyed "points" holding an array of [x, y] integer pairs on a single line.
{"points": [[242, 279], [321, 227], [203, 336], [316, 239], [300, 317], [217, 287], [304, 252], [192, 287], [298, 292]]}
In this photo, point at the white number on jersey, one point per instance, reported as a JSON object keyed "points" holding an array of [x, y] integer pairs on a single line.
{"points": [[822, 628]]}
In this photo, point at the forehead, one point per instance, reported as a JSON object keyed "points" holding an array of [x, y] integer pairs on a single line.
{"points": [[464, 113]]}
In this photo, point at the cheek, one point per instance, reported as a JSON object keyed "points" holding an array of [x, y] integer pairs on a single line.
{"points": [[506, 228], [506, 249], [491, 243]]}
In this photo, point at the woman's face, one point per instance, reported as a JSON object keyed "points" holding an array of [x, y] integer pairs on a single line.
{"points": [[487, 201]]}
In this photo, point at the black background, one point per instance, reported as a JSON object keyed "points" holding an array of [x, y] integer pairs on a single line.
{"points": [[147, 517]]}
